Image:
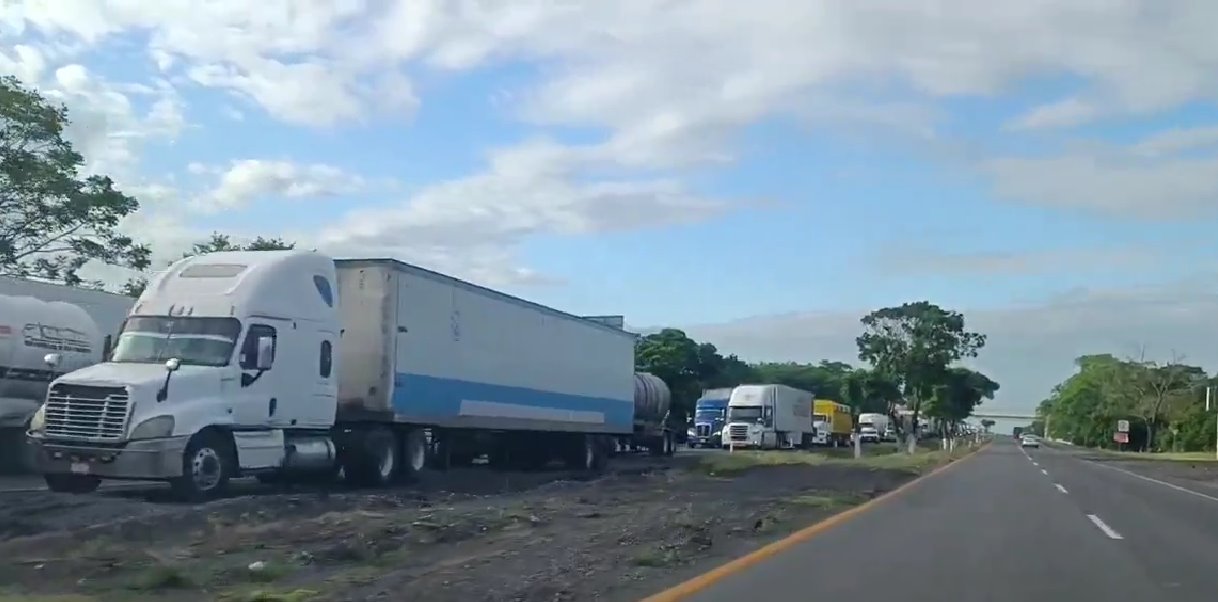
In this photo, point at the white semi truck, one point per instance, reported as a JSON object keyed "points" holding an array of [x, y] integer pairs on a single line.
{"points": [[879, 422], [769, 417], [32, 327], [289, 364]]}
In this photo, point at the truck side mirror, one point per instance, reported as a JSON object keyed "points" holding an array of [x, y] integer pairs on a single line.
{"points": [[266, 353], [52, 359]]}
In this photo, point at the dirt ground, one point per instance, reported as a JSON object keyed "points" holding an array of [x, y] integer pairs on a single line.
{"points": [[470, 535]]}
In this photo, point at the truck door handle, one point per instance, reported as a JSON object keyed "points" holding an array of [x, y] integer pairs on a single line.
{"points": [[271, 406]]}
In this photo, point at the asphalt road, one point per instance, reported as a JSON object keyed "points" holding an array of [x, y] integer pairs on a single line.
{"points": [[1007, 525]]}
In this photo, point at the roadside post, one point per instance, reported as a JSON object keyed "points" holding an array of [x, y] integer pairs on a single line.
{"points": [[1209, 400]]}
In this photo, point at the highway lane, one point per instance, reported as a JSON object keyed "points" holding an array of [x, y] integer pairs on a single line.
{"points": [[1170, 530], [991, 529]]}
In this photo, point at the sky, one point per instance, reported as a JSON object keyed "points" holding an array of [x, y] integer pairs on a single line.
{"points": [[760, 174]]}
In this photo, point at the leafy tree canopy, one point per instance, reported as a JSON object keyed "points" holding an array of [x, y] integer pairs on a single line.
{"points": [[53, 219], [1164, 403]]}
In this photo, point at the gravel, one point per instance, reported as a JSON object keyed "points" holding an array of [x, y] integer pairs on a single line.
{"points": [[468, 535]]}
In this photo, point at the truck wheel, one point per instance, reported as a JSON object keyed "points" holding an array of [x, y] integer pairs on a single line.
{"points": [[373, 460], [588, 455], [206, 465], [71, 483], [670, 444], [414, 454]]}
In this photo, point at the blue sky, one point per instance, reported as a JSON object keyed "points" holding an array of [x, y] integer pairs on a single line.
{"points": [[873, 157]]}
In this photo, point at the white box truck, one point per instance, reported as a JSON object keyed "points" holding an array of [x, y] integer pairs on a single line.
{"points": [[769, 417], [289, 364]]}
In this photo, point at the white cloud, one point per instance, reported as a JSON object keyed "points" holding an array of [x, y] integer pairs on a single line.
{"points": [[1140, 181], [670, 84], [1029, 348], [245, 181], [1068, 112], [906, 260], [472, 226], [108, 125]]}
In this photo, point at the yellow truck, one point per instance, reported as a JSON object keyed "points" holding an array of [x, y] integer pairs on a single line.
{"points": [[833, 421]]}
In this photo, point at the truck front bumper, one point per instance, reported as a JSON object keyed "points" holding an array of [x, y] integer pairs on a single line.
{"points": [[147, 459]]}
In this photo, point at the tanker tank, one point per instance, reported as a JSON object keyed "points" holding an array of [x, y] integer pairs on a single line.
{"points": [[652, 398], [652, 432], [30, 329]]}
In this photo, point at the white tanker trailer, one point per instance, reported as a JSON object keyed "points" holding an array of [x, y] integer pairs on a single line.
{"points": [[30, 330]]}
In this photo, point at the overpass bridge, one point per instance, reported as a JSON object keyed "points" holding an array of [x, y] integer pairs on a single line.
{"points": [[1008, 415]]}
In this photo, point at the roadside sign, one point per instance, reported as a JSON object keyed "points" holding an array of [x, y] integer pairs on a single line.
{"points": [[1120, 437], [1122, 426]]}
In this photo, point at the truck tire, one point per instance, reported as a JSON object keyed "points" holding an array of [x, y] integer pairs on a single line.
{"points": [[413, 456], [373, 459], [71, 483], [588, 454], [670, 444], [207, 465]]}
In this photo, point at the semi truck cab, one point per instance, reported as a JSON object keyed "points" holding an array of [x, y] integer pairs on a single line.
{"points": [[223, 367], [710, 418]]}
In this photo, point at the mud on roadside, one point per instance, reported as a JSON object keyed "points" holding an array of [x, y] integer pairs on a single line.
{"points": [[616, 538]]}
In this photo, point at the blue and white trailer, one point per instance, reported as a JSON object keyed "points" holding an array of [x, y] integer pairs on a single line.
{"points": [[289, 364]]}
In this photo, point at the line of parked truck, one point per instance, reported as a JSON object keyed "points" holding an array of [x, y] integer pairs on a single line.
{"points": [[777, 416], [291, 365]]}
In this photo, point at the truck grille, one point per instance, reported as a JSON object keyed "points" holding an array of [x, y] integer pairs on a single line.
{"points": [[87, 412], [740, 431], [703, 430]]}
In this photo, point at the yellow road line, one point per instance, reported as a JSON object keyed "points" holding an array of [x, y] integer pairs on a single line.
{"points": [[721, 572]]}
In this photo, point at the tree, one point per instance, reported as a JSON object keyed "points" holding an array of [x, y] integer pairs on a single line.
{"points": [[1084, 409], [1158, 385], [53, 221], [880, 393], [218, 242], [674, 358], [914, 344], [960, 392], [825, 380]]}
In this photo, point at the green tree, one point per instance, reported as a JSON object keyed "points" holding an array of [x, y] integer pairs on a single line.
{"points": [[868, 391], [216, 243], [914, 344], [1154, 397], [1160, 387], [676, 359], [53, 220], [825, 380], [960, 392]]}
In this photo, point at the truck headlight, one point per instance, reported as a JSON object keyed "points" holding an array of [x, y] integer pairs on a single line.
{"points": [[717, 433], [38, 422], [692, 432], [154, 428]]}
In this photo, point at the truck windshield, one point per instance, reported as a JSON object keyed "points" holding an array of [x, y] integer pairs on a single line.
{"points": [[820, 418], [744, 413], [714, 414], [194, 341]]}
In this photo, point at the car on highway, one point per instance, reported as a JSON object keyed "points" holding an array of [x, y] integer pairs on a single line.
{"points": [[1029, 441]]}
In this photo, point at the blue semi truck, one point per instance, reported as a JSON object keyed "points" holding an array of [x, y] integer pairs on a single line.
{"points": [[710, 416]]}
